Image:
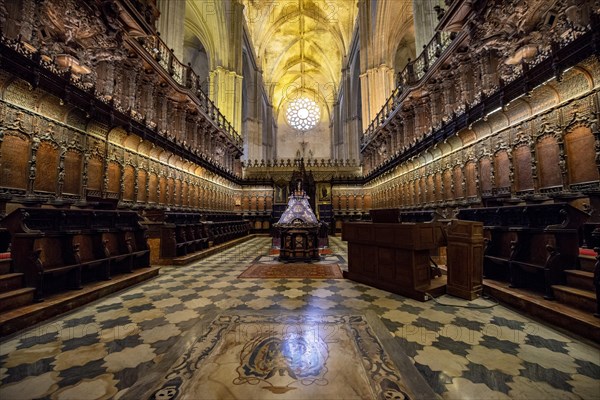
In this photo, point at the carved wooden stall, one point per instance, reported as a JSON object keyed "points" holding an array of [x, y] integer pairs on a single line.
{"points": [[177, 234], [63, 249], [530, 246]]}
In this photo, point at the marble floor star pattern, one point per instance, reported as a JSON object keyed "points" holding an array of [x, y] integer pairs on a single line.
{"points": [[101, 350]]}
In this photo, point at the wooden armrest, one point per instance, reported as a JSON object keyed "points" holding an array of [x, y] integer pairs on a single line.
{"points": [[62, 268]]}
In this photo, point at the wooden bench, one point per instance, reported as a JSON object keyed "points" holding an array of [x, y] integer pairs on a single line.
{"points": [[53, 257], [224, 231], [530, 246], [183, 233], [90, 254], [59, 249]]}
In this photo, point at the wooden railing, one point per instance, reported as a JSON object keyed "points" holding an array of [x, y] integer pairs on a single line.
{"points": [[410, 76], [185, 76]]}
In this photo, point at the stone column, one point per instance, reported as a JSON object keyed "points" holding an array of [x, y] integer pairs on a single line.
{"points": [[170, 25], [253, 139], [226, 92], [377, 84], [425, 19]]}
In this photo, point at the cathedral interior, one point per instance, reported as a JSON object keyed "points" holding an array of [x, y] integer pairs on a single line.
{"points": [[299, 199]]}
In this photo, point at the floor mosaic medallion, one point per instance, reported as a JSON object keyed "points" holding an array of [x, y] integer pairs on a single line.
{"points": [[288, 357]]}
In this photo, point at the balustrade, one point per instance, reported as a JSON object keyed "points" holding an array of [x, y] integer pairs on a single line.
{"points": [[410, 76]]}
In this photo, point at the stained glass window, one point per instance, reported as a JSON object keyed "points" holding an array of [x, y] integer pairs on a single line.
{"points": [[303, 114]]}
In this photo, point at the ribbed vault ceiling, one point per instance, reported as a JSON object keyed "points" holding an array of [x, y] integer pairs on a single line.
{"points": [[300, 45]]}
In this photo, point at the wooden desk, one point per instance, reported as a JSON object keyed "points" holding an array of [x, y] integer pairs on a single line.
{"points": [[394, 257]]}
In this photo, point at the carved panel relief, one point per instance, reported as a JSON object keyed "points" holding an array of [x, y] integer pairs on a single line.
{"points": [[470, 179], [153, 186], [20, 93], [523, 173], [46, 167], [170, 195], [162, 186], [430, 189], [185, 194], [95, 174], [502, 169], [73, 164], [114, 177], [129, 183], [549, 172], [439, 194], [50, 106], [15, 162], [459, 192], [77, 119], [448, 184], [580, 145], [142, 177], [544, 97], [573, 84], [177, 193], [485, 175], [194, 195]]}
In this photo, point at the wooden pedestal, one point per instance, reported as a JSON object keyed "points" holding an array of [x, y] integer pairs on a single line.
{"points": [[465, 259], [299, 244]]}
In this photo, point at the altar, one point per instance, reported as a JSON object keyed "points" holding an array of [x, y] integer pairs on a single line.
{"points": [[298, 229]]}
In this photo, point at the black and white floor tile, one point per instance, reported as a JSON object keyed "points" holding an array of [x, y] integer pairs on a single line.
{"points": [[103, 349]]}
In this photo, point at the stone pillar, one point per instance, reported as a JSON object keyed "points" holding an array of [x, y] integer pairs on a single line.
{"points": [[170, 25], [425, 18], [377, 84], [337, 143], [226, 92], [253, 139]]}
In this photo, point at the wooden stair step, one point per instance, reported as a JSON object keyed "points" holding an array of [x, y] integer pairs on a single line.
{"points": [[10, 282], [580, 279], [581, 322], [587, 263], [579, 298], [5, 265], [55, 304], [16, 298]]}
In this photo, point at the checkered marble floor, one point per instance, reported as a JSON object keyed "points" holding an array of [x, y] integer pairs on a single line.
{"points": [[100, 350]]}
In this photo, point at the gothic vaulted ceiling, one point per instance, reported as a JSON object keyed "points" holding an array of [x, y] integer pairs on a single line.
{"points": [[300, 45]]}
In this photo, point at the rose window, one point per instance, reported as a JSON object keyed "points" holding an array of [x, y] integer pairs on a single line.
{"points": [[303, 114]]}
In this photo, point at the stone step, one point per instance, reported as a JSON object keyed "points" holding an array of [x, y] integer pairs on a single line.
{"points": [[5, 265], [587, 263], [16, 298], [578, 298], [10, 282], [580, 279]]}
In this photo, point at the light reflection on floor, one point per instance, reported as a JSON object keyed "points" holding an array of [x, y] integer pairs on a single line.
{"points": [[103, 349]]}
